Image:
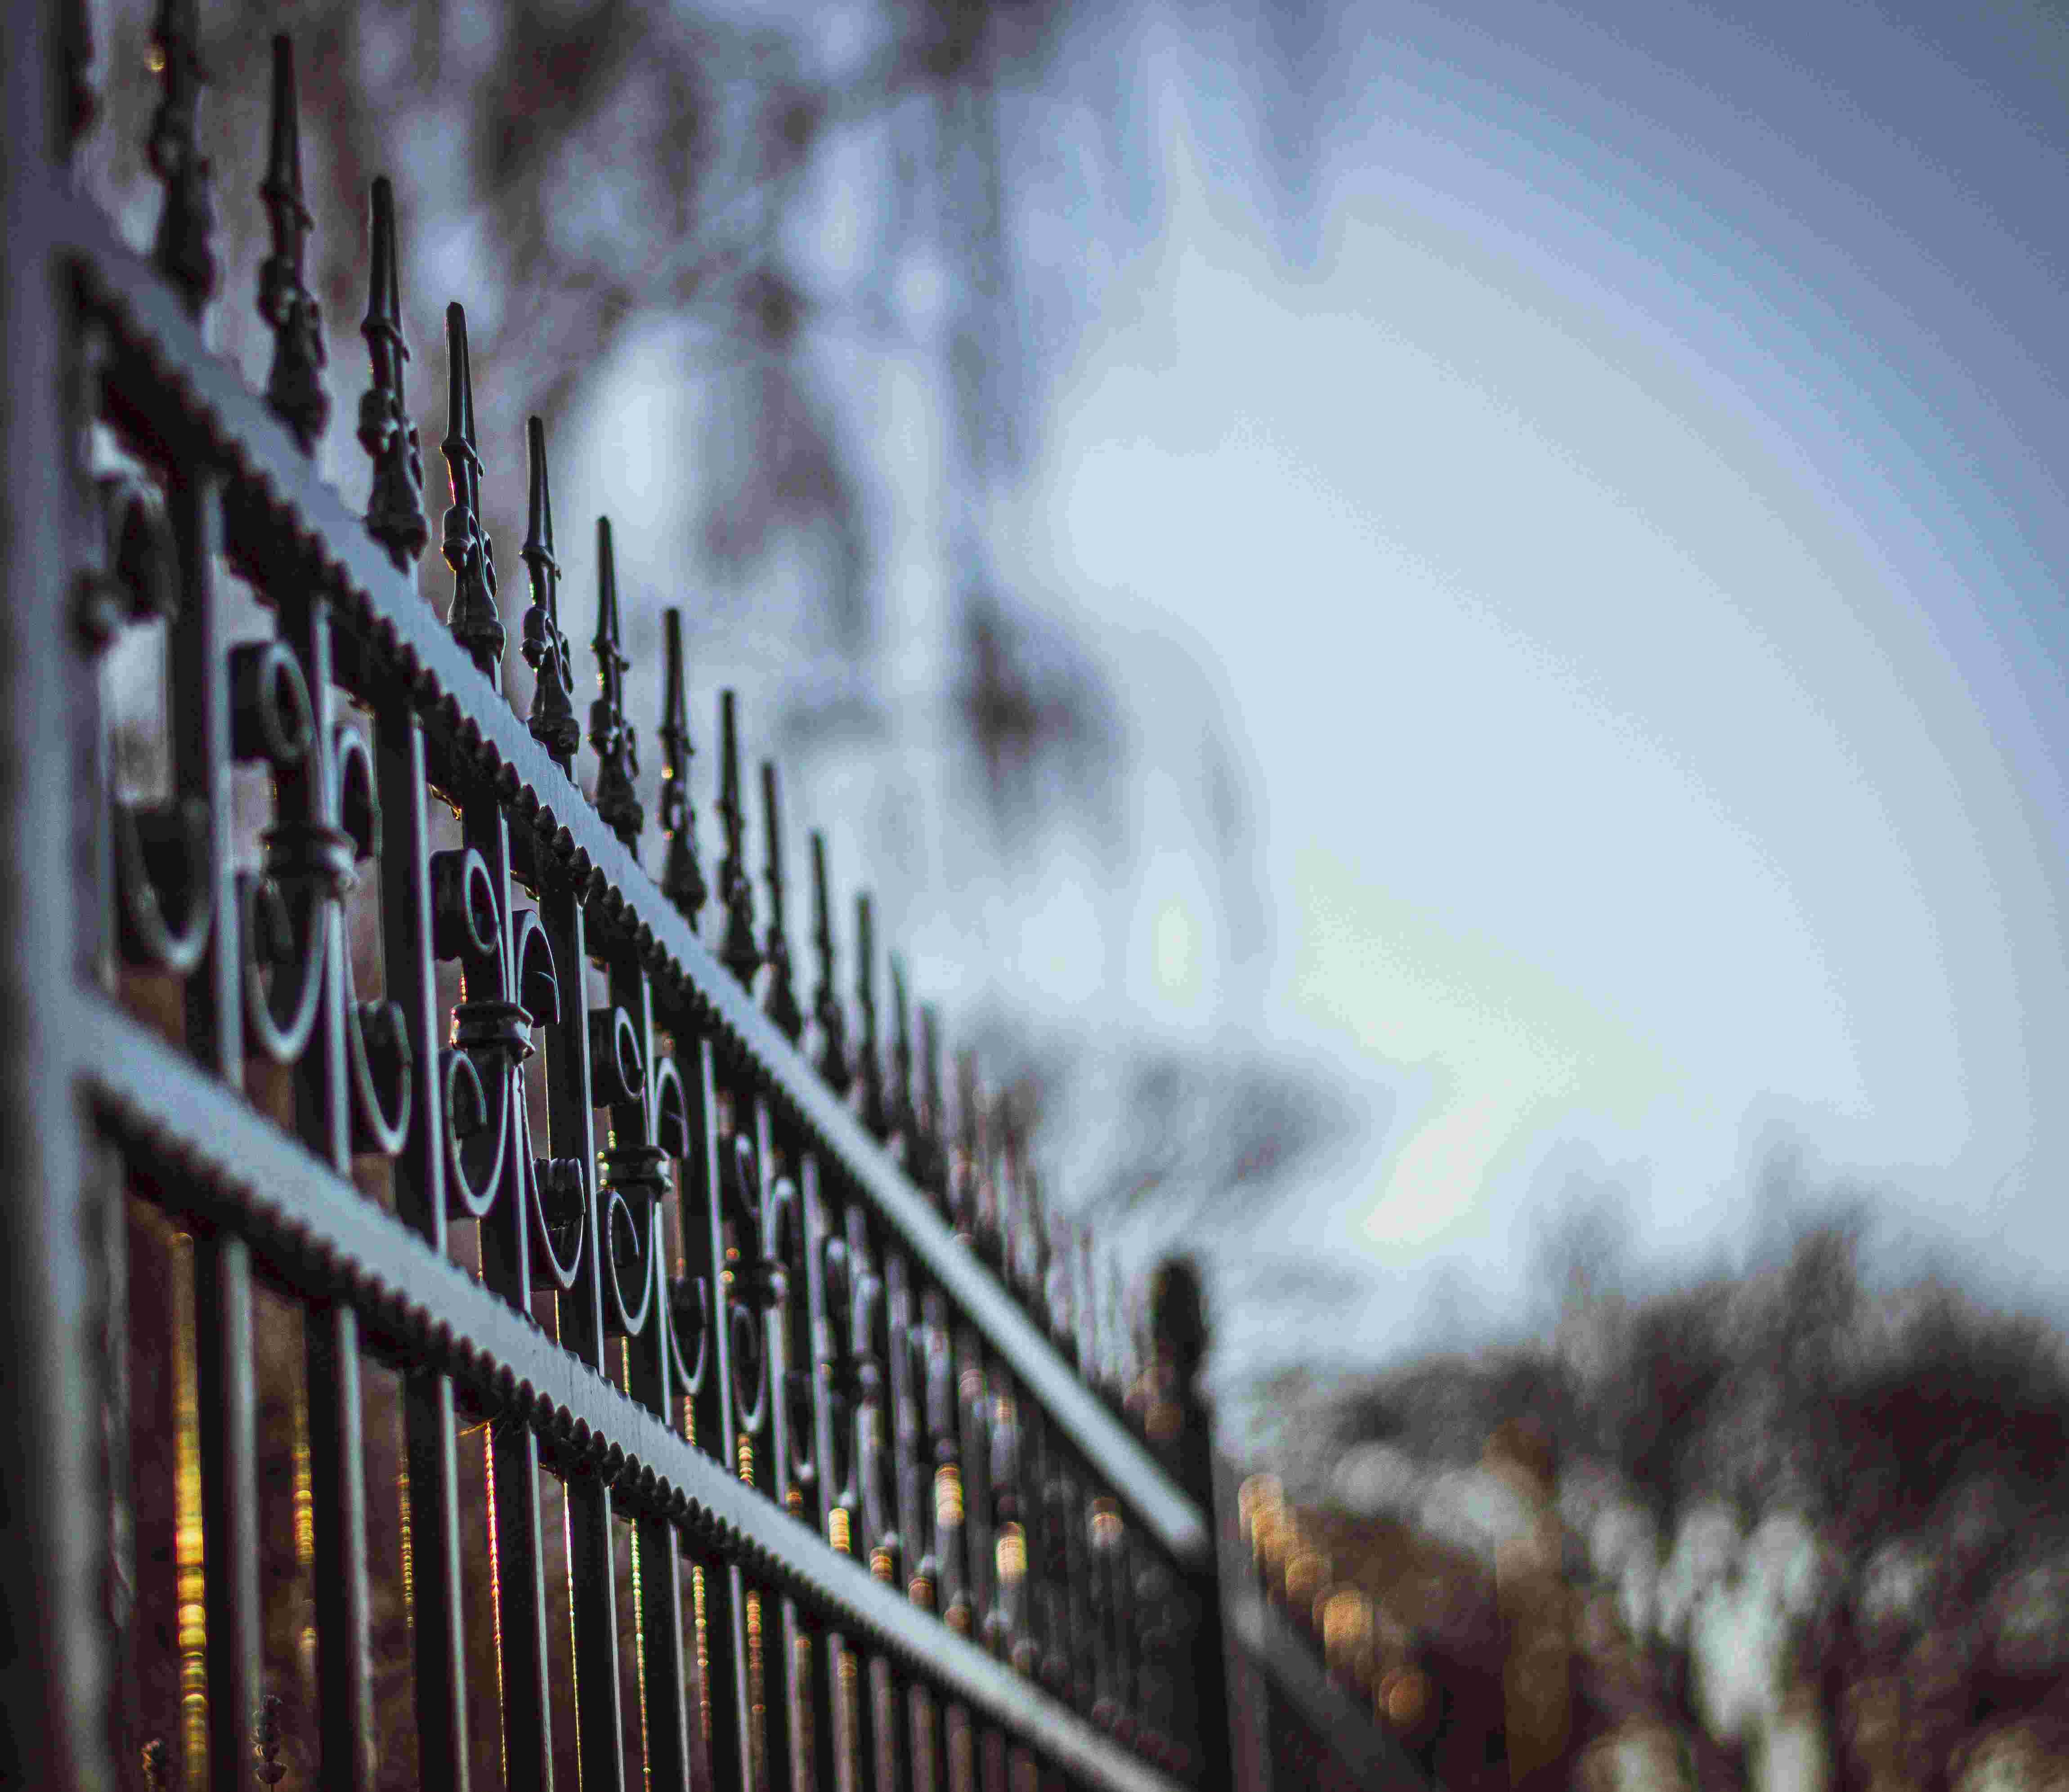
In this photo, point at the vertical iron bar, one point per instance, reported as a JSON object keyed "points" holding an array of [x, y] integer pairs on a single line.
{"points": [[724, 1592], [668, 1738], [832, 1765], [228, 1410], [881, 1695], [434, 1591], [506, 1268], [337, 1478], [307, 799], [572, 1131], [786, 1737], [215, 1031]]}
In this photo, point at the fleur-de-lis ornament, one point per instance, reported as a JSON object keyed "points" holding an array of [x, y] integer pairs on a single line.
{"points": [[295, 392], [779, 999], [474, 620], [737, 952], [610, 733], [181, 251], [868, 1091], [829, 1054], [395, 508], [552, 720], [682, 877]]}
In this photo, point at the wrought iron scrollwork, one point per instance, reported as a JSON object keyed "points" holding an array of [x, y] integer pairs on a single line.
{"points": [[759, 1278], [161, 851], [138, 579], [161, 874], [379, 1068], [685, 1312], [635, 1174], [284, 908], [510, 986]]}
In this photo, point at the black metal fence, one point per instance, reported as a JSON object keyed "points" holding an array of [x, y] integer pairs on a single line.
{"points": [[459, 1327]]}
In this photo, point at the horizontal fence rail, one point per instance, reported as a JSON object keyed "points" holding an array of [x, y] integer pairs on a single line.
{"points": [[541, 1348]]}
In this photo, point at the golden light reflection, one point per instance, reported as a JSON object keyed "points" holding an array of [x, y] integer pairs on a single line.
{"points": [[305, 1531], [757, 1694], [190, 1580], [1404, 1695], [1010, 1553], [409, 1555], [1305, 1575], [948, 1495], [1106, 1524], [495, 1586], [703, 1652], [1257, 1501], [1346, 1628], [837, 1529], [639, 1655]]}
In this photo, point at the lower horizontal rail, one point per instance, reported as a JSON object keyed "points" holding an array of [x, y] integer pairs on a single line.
{"points": [[315, 1230]]}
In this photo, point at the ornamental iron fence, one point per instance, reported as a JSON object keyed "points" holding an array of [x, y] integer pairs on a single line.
{"points": [[461, 1328]]}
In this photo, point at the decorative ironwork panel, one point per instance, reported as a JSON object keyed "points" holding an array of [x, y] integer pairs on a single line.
{"points": [[732, 1375]]}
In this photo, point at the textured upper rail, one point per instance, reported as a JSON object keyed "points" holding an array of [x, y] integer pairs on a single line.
{"points": [[274, 494]]}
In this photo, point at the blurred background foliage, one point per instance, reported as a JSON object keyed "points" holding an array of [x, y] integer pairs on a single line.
{"points": [[792, 287]]}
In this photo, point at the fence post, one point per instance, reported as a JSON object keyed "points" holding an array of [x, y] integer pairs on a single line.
{"points": [[1180, 1427], [53, 1289]]}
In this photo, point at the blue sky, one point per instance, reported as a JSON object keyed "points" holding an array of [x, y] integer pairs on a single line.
{"points": [[1631, 555]]}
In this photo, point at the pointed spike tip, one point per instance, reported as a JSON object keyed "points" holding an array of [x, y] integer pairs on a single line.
{"points": [[772, 817]]}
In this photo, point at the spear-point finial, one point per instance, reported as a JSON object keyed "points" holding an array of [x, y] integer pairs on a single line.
{"points": [[295, 392], [395, 508], [617, 744], [904, 1123], [552, 720], [682, 877], [966, 1167], [869, 1107], [779, 999], [829, 1054], [475, 623], [930, 1166], [737, 952], [181, 251]]}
